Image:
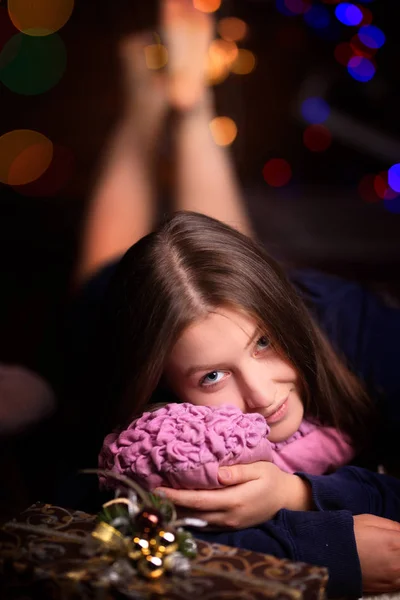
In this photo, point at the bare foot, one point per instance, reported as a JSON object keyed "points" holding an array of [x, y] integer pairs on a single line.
{"points": [[187, 33]]}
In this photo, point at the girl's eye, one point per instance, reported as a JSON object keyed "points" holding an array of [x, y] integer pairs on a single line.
{"points": [[212, 378], [263, 342]]}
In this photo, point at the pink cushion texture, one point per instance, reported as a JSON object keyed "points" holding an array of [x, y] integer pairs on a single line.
{"points": [[182, 446]]}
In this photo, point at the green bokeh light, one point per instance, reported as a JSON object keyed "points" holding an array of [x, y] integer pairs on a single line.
{"points": [[32, 65]]}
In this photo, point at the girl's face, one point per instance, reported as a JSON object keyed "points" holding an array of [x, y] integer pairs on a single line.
{"points": [[225, 359]]}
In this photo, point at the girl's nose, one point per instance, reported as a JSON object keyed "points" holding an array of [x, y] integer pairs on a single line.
{"points": [[259, 394]]}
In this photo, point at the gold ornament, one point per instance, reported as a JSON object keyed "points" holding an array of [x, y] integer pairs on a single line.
{"points": [[151, 567], [167, 542]]}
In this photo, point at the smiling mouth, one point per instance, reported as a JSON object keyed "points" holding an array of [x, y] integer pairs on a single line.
{"points": [[278, 414]]}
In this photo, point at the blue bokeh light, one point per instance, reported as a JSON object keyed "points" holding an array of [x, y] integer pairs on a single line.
{"points": [[372, 36], [282, 7], [361, 69], [349, 14], [315, 110], [393, 205], [394, 177], [318, 17]]}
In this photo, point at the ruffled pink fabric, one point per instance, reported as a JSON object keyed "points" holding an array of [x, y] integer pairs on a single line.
{"points": [[182, 446]]}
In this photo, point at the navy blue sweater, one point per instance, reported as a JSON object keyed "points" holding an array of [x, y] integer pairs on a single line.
{"points": [[366, 333], [325, 536]]}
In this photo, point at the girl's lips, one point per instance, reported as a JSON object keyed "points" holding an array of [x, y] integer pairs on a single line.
{"points": [[278, 414]]}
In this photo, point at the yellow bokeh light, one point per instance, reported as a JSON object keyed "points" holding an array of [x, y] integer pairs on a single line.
{"points": [[156, 56], [207, 6], [223, 130], [245, 62], [41, 17], [232, 29], [221, 55], [24, 156], [228, 49]]}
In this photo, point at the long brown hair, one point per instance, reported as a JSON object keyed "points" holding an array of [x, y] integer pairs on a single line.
{"points": [[194, 264]]}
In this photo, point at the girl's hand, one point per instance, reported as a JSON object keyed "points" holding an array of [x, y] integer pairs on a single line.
{"points": [[254, 493], [378, 546]]}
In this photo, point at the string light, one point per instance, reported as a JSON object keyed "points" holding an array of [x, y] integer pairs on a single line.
{"points": [[245, 62], [39, 18], [315, 110], [223, 130], [361, 68], [207, 6], [232, 29], [394, 177], [317, 138], [349, 14], [277, 172], [24, 156], [32, 65]]}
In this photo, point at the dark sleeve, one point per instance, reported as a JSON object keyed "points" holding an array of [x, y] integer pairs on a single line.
{"points": [[325, 536], [365, 331], [318, 538], [357, 490]]}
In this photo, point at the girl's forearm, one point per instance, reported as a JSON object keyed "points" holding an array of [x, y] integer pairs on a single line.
{"points": [[206, 181], [122, 206]]}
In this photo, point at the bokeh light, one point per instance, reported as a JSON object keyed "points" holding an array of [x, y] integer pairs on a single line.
{"points": [[298, 7], [207, 6], [32, 65], [359, 49], [277, 172], [372, 36], [223, 130], [366, 189], [41, 17], [349, 14], [343, 53], [392, 205], [315, 110], [394, 177], [245, 62], [24, 156], [54, 179], [232, 29], [382, 188], [317, 138], [282, 8], [318, 17], [221, 55], [156, 56], [361, 68], [367, 16]]}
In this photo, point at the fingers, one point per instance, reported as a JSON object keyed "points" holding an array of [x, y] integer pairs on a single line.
{"points": [[237, 474], [201, 500]]}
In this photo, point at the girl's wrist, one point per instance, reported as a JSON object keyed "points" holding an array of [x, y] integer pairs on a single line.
{"points": [[297, 493], [203, 108]]}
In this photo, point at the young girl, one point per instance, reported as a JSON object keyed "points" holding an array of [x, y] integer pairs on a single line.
{"points": [[199, 310], [197, 294]]}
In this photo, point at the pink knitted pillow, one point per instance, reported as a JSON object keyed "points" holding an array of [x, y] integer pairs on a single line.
{"points": [[182, 446]]}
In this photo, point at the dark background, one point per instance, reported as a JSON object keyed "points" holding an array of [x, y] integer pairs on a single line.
{"points": [[318, 220]]}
